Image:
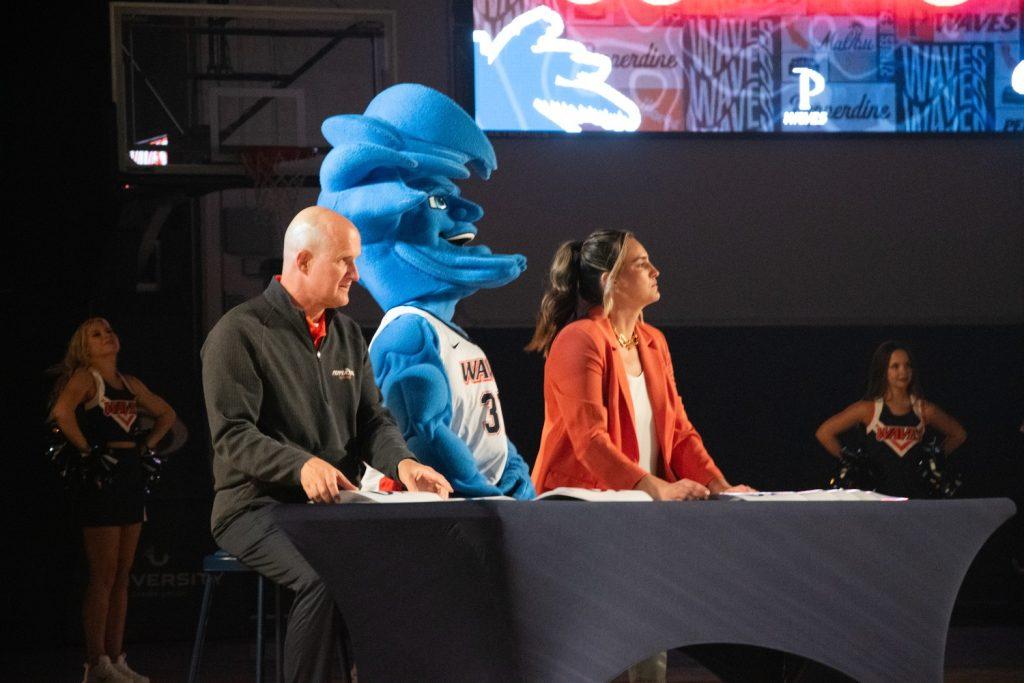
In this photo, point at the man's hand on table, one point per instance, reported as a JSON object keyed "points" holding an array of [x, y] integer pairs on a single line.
{"points": [[321, 481], [416, 476]]}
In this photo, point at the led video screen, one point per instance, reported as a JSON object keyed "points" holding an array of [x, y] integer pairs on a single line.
{"points": [[749, 66]]}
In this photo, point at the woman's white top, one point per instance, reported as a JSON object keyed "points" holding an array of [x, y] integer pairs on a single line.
{"points": [[646, 436]]}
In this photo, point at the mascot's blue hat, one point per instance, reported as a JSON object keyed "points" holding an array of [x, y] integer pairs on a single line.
{"points": [[425, 115], [418, 124]]}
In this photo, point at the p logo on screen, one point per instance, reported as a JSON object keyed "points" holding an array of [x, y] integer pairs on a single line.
{"points": [[810, 84]]}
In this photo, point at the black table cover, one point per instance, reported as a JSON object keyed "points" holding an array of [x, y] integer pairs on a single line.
{"points": [[574, 591]]}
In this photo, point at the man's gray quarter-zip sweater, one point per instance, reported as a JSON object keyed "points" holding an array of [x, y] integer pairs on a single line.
{"points": [[273, 401]]}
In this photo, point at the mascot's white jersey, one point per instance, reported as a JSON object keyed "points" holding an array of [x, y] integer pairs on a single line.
{"points": [[476, 410]]}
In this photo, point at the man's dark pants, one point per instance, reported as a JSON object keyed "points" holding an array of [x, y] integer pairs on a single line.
{"points": [[314, 623]]}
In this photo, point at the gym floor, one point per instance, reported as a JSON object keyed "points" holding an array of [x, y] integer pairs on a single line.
{"points": [[975, 654]]}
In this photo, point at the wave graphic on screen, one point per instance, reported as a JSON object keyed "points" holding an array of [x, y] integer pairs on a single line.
{"points": [[529, 78]]}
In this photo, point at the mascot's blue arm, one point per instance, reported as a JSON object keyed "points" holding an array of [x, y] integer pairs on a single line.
{"points": [[409, 372], [515, 480]]}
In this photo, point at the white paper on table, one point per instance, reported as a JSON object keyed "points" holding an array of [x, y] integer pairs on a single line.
{"points": [[596, 495], [809, 495]]}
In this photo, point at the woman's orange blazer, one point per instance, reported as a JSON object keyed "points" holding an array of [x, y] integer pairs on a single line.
{"points": [[589, 440]]}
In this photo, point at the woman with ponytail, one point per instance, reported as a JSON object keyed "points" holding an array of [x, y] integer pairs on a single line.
{"points": [[612, 416]]}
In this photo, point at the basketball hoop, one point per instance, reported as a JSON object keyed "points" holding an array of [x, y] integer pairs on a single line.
{"points": [[275, 185]]}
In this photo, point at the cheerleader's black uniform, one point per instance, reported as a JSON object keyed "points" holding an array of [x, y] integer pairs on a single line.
{"points": [[108, 417], [894, 443]]}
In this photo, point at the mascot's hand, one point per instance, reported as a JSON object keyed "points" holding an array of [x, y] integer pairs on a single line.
{"points": [[515, 480], [418, 477]]}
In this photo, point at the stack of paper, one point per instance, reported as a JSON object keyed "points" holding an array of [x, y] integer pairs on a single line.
{"points": [[388, 497], [810, 494], [603, 496]]}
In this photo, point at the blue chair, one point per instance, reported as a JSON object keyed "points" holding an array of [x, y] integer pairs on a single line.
{"points": [[214, 566]]}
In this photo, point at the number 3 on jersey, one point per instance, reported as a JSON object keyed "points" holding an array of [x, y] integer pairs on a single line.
{"points": [[492, 423]]}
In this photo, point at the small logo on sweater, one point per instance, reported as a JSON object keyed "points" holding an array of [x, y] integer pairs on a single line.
{"points": [[346, 374]]}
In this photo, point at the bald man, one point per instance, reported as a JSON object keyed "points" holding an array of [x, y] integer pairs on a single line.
{"points": [[293, 411]]}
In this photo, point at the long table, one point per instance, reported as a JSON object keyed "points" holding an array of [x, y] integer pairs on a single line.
{"points": [[574, 591]]}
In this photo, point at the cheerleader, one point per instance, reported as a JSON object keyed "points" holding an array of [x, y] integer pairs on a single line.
{"points": [[96, 407], [894, 416]]}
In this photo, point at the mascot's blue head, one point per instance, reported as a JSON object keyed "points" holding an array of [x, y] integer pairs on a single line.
{"points": [[391, 172]]}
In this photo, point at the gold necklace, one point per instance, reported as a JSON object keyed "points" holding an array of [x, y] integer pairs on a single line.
{"points": [[624, 342]]}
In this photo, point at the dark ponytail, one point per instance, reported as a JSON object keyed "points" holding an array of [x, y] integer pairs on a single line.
{"points": [[575, 278], [561, 300]]}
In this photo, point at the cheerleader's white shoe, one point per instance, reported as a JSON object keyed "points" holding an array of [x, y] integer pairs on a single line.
{"points": [[127, 672], [104, 671]]}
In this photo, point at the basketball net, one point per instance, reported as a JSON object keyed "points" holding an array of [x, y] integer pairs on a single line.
{"points": [[275, 190]]}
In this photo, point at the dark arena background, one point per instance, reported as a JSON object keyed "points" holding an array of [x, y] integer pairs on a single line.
{"points": [[785, 260]]}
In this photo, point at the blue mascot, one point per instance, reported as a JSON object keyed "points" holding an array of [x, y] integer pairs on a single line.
{"points": [[391, 172]]}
